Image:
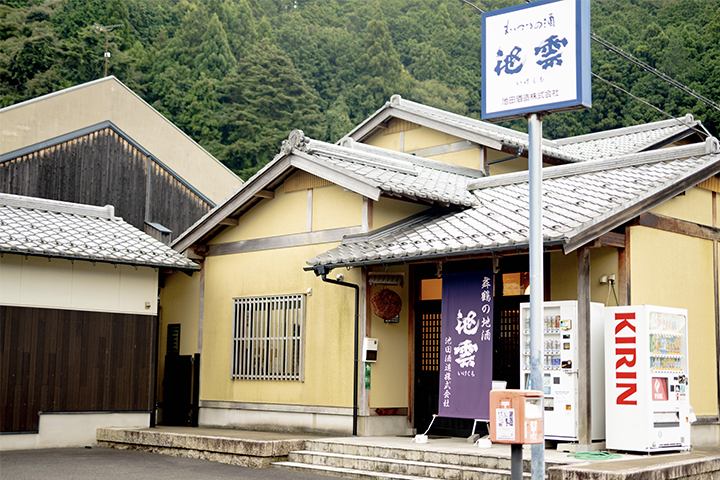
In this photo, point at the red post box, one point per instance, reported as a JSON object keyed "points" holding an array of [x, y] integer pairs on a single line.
{"points": [[516, 416]]}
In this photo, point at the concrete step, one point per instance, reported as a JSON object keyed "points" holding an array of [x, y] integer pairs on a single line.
{"points": [[477, 459], [361, 466], [478, 474]]}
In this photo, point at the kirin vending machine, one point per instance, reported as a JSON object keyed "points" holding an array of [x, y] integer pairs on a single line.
{"points": [[646, 379], [560, 368]]}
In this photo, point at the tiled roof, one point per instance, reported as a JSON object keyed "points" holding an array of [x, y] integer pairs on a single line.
{"points": [[580, 202], [364, 169], [616, 142], [399, 174], [613, 143], [35, 226]]}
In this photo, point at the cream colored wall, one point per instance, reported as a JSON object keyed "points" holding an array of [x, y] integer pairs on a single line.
{"points": [[329, 310], [329, 327], [326, 215], [673, 270], [388, 210], [389, 375], [286, 214], [563, 275], [470, 158], [72, 109], [79, 285], [283, 215], [694, 206], [391, 141], [425, 137]]}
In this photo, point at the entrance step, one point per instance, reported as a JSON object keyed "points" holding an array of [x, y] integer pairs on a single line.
{"points": [[357, 466], [353, 460]]}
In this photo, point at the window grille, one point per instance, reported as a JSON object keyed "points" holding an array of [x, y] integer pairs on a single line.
{"points": [[268, 338]]}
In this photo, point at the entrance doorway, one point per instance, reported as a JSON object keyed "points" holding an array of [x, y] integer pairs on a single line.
{"points": [[427, 374], [510, 291]]}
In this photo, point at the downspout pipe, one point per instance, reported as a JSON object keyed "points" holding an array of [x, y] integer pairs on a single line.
{"points": [[323, 271]]}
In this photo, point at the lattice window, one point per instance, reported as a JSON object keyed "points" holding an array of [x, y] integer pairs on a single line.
{"points": [[268, 338], [430, 345]]}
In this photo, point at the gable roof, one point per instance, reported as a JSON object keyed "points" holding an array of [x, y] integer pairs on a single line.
{"points": [[573, 149], [71, 136], [369, 171], [49, 116], [48, 228], [581, 203], [638, 138]]}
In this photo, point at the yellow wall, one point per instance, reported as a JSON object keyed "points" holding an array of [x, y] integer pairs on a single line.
{"points": [[389, 375], [329, 310], [673, 270], [389, 210], [79, 285], [286, 214], [325, 208], [328, 335], [563, 275], [424, 137], [391, 141], [694, 206], [470, 158], [75, 108]]}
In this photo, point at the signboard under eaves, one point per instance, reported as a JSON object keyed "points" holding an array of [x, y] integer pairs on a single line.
{"points": [[536, 58]]}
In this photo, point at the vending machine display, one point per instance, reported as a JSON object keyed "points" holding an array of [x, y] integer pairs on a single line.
{"points": [[560, 374], [646, 381]]}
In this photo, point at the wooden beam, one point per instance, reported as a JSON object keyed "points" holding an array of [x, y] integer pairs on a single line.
{"points": [[624, 271], [612, 239], [583, 341], [233, 222], [265, 194], [681, 227]]}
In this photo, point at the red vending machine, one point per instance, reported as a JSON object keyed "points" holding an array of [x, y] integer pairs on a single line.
{"points": [[647, 395]]}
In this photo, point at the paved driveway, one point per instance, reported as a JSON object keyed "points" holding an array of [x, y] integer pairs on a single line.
{"points": [[109, 464]]}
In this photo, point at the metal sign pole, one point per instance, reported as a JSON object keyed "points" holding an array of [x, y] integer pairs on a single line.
{"points": [[537, 288]]}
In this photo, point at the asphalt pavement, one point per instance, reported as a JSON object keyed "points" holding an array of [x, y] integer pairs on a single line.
{"points": [[110, 464]]}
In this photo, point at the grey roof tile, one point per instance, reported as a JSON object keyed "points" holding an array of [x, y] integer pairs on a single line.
{"points": [[576, 199], [594, 146], [69, 230]]}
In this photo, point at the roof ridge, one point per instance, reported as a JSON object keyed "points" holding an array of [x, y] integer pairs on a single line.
{"points": [[400, 102], [56, 206], [688, 121], [710, 146]]}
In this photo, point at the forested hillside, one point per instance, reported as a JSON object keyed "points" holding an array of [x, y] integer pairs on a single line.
{"points": [[238, 75]]}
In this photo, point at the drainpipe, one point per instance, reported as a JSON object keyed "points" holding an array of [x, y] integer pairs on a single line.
{"points": [[321, 270]]}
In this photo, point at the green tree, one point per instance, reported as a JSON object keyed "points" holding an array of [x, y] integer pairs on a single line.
{"points": [[215, 57], [262, 102]]}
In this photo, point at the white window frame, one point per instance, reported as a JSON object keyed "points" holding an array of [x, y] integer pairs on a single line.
{"points": [[268, 338]]}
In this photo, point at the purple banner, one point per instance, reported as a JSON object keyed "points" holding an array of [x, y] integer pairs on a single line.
{"points": [[466, 345]]}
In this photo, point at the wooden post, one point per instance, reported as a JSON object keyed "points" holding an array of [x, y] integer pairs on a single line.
{"points": [[583, 340]]}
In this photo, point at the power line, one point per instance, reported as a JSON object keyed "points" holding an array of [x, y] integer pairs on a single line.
{"points": [[680, 121], [654, 71]]}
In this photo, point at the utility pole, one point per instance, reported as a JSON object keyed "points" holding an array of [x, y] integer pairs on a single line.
{"points": [[106, 29]]}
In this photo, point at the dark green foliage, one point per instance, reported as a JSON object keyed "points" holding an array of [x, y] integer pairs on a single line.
{"points": [[239, 75]]}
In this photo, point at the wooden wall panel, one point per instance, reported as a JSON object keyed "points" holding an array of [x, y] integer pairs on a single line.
{"points": [[73, 361], [166, 194], [102, 168]]}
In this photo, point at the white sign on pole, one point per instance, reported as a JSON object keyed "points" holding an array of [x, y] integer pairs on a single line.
{"points": [[536, 58]]}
